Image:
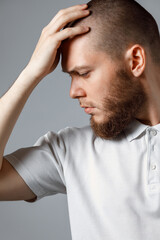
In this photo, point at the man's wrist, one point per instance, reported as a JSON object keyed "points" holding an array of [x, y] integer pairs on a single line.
{"points": [[31, 75]]}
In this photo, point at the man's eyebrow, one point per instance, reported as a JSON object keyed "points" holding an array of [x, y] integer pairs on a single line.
{"points": [[76, 69]]}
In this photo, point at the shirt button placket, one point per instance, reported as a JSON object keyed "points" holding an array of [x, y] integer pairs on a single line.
{"points": [[153, 177]]}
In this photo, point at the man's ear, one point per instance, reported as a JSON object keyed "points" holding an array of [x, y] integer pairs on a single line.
{"points": [[136, 60]]}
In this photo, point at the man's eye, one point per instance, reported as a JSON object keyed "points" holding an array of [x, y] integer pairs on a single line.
{"points": [[83, 74]]}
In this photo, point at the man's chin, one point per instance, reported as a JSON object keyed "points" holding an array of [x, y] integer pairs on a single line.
{"points": [[109, 129]]}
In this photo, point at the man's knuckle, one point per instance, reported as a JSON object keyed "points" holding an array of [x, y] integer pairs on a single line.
{"points": [[44, 30], [61, 12]]}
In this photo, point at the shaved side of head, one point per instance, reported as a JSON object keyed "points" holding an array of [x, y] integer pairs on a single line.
{"points": [[118, 24]]}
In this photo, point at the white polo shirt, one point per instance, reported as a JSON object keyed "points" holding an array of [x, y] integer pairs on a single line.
{"points": [[112, 186]]}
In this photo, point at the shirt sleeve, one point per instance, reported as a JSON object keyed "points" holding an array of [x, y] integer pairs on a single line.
{"points": [[42, 165]]}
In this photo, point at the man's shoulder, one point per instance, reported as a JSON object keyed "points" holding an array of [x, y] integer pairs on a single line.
{"points": [[76, 132], [83, 134], [74, 136]]}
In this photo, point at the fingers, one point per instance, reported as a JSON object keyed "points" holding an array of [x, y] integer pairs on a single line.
{"points": [[68, 10], [61, 22], [65, 16], [46, 56], [71, 32]]}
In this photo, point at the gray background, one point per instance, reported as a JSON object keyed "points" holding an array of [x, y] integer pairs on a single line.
{"points": [[48, 108]]}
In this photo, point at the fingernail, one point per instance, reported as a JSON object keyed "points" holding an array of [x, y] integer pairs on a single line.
{"points": [[86, 28], [87, 11]]}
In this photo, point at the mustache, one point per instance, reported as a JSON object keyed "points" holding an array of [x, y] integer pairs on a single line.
{"points": [[86, 104]]}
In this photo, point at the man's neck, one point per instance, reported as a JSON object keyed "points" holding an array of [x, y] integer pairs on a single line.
{"points": [[150, 114]]}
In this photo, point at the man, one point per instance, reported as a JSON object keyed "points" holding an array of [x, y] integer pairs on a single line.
{"points": [[110, 171]]}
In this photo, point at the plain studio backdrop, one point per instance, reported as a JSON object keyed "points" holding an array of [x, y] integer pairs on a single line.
{"points": [[48, 108]]}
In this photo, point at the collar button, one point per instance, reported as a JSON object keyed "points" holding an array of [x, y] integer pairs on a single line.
{"points": [[153, 132]]}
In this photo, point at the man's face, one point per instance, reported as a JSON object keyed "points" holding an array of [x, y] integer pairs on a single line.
{"points": [[104, 88]]}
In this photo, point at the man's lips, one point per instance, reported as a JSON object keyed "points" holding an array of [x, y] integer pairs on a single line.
{"points": [[88, 109]]}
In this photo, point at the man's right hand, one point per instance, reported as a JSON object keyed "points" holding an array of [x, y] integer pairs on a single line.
{"points": [[46, 55]]}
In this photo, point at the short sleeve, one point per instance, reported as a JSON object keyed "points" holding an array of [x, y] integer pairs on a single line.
{"points": [[42, 165]]}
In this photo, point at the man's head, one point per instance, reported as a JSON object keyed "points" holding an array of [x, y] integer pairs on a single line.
{"points": [[118, 24], [114, 54]]}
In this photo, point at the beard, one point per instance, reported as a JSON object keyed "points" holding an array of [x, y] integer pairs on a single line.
{"points": [[125, 101]]}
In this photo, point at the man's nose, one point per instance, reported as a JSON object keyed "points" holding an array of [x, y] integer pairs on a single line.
{"points": [[77, 90]]}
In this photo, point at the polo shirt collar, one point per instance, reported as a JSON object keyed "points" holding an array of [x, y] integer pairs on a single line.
{"points": [[136, 128]]}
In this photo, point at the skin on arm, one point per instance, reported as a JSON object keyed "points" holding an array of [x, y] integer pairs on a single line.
{"points": [[12, 186], [44, 60]]}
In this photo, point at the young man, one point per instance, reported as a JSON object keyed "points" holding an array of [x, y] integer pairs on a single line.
{"points": [[111, 170]]}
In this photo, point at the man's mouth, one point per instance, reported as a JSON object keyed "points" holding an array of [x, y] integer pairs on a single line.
{"points": [[88, 109]]}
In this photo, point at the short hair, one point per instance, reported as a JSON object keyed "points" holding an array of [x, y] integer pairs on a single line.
{"points": [[121, 23]]}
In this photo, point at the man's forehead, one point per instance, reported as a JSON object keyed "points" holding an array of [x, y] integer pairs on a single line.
{"points": [[76, 53], [82, 39]]}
